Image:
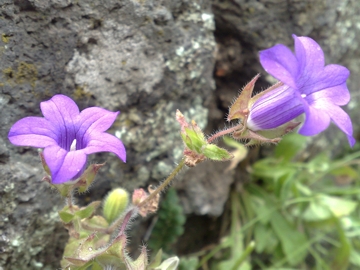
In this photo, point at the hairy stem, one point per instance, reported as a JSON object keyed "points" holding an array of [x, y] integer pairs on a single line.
{"points": [[224, 132], [125, 222], [69, 200], [164, 184]]}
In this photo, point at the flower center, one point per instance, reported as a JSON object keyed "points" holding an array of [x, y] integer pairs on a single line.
{"points": [[73, 145], [303, 95]]}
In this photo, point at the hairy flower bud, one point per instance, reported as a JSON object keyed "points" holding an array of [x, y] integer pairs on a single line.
{"points": [[115, 204]]}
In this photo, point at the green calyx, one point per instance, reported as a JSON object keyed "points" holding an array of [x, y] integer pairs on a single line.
{"points": [[197, 148]]}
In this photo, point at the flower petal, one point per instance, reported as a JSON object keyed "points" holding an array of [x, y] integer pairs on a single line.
{"points": [[342, 120], [62, 112], [330, 76], [281, 63], [275, 109], [338, 95], [59, 108], [318, 119], [33, 131], [315, 121], [91, 120], [310, 59], [104, 142], [64, 166]]}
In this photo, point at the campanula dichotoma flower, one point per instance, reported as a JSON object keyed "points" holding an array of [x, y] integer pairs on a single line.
{"points": [[309, 87], [67, 136]]}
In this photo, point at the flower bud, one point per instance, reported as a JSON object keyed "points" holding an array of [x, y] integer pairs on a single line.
{"points": [[275, 108], [169, 264], [115, 204]]}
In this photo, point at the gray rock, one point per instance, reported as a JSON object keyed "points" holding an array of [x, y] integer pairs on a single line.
{"points": [[146, 59]]}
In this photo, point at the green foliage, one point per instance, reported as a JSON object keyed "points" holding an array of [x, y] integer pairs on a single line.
{"points": [[302, 213], [232, 251], [296, 213], [189, 263], [92, 244], [169, 225]]}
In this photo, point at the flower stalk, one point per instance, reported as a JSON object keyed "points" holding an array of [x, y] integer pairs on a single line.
{"points": [[163, 185]]}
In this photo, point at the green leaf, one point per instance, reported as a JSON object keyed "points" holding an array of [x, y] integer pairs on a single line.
{"points": [[316, 212], [270, 169], [88, 210], [345, 171], [188, 263], [265, 238], [343, 252], [355, 257], [170, 223], [289, 146], [214, 152], [293, 243], [320, 163], [105, 260], [338, 206], [262, 209], [66, 217], [326, 207]]}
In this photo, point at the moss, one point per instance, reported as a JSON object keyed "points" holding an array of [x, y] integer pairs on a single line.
{"points": [[5, 38], [80, 93], [26, 73], [9, 73], [160, 33]]}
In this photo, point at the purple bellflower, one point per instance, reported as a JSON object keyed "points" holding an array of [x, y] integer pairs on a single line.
{"points": [[68, 136], [308, 87]]}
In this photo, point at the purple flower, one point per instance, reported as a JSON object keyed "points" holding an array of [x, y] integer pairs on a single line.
{"points": [[68, 136], [309, 87]]}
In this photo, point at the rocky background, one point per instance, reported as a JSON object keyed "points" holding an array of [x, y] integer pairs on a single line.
{"points": [[146, 58]]}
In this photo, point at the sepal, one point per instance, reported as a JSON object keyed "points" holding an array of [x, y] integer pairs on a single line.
{"points": [[266, 136], [82, 184], [197, 148], [88, 177], [214, 152], [193, 137], [240, 108]]}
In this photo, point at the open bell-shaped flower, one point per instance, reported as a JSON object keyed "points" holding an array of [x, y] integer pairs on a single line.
{"points": [[67, 136], [308, 87]]}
